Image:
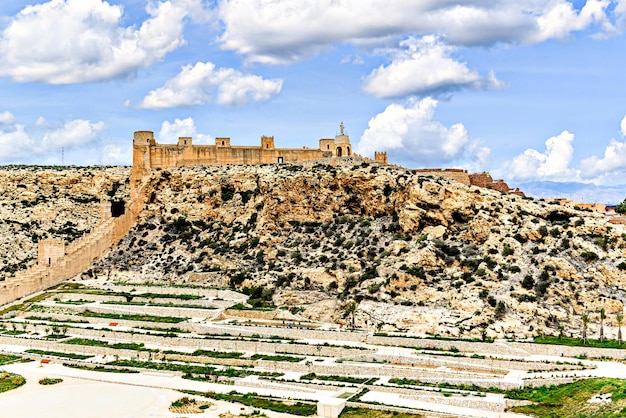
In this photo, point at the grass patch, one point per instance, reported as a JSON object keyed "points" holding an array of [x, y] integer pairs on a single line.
{"points": [[7, 359], [10, 381], [350, 412], [571, 400], [72, 356], [99, 368], [276, 358], [346, 379], [74, 302], [256, 401], [463, 387], [189, 369], [99, 343], [135, 317], [577, 342], [187, 405]]}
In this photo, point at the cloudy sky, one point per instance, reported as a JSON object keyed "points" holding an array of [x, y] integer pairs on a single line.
{"points": [[526, 89]]}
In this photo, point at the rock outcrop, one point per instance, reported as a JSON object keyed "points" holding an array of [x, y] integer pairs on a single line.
{"points": [[414, 252]]}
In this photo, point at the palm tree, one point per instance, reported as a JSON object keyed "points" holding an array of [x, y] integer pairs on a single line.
{"points": [[351, 311], [602, 318], [620, 318], [585, 319]]}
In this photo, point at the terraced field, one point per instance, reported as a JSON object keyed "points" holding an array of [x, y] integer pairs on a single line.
{"points": [[212, 337]]}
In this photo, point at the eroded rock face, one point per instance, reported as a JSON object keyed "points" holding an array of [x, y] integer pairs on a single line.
{"points": [[61, 202], [415, 252]]}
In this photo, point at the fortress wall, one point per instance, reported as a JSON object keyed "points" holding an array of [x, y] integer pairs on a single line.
{"points": [[459, 175], [79, 256], [163, 156], [481, 179]]}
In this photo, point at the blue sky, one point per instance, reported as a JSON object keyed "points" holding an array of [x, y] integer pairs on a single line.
{"points": [[530, 90]]}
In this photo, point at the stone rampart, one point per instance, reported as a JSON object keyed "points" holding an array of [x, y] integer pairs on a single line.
{"points": [[79, 255], [455, 174]]}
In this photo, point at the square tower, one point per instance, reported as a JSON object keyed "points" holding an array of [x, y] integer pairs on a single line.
{"points": [[267, 142], [222, 142]]}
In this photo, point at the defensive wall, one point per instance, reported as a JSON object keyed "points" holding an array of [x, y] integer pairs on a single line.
{"points": [[483, 180], [149, 154], [58, 262]]}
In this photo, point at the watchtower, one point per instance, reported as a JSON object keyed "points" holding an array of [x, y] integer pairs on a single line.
{"points": [[144, 138], [381, 157], [184, 141], [49, 251], [267, 142], [222, 142]]}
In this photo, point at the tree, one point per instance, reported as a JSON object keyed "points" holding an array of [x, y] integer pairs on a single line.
{"points": [[350, 311], [602, 318], [585, 319], [620, 319], [621, 207]]}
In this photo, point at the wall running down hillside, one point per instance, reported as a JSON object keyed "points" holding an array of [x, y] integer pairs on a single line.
{"points": [[78, 256]]}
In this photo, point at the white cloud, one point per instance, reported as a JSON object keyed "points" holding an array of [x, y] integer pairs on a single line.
{"points": [[6, 118], [171, 131], [74, 133], [424, 67], [276, 31], [41, 121], [116, 154], [560, 19], [552, 164], [623, 126], [614, 159], [19, 142], [77, 41], [195, 85], [410, 135]]}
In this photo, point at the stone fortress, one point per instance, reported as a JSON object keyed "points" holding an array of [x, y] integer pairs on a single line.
{"points": [[148, 154], [58, 262]]}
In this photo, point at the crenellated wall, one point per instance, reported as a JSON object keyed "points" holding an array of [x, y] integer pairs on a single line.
{"points": [[148, 154], [58, 262]]}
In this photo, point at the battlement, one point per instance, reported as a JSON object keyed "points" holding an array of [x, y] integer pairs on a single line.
{"points": [[149, 154], [381, 157]]}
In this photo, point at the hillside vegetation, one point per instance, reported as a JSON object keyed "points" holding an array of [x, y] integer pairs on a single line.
{"points": [[379, 245], [51, 202], [350, 242]]}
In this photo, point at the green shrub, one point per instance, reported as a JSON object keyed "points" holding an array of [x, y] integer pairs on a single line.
{"points": [[589, 256], [50, 381]]}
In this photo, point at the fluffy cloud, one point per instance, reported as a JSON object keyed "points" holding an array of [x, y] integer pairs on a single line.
{"points": [[116, 154], [76, 41], [552, 164], [411, 135], [18, 142], [195, 85], [424, 67], [6, 118], [559, 19], [623, 126], [611, 164], [276, 31], [171, 131]]}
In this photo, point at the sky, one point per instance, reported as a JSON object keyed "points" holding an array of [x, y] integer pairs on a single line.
{"points": [[528, 90]]}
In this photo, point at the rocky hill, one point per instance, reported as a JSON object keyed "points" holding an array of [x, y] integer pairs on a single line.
{"points": [[51, 202], [376, 244]]}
